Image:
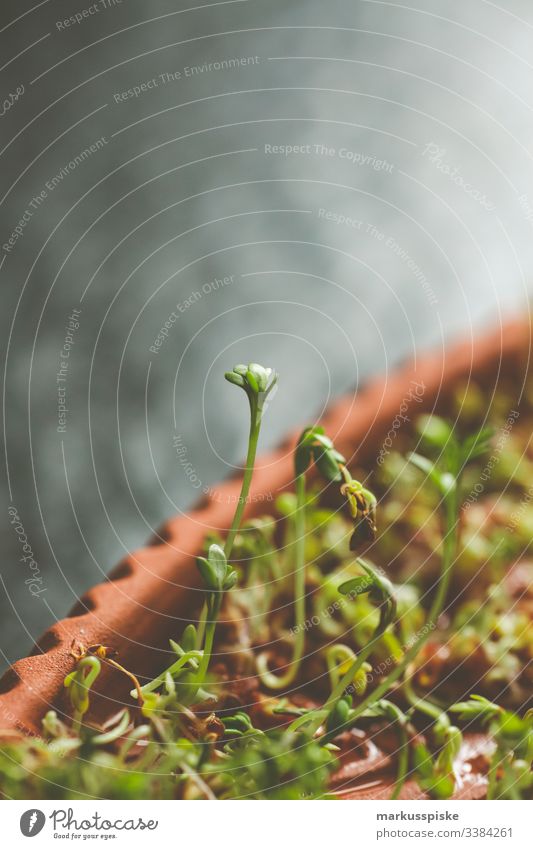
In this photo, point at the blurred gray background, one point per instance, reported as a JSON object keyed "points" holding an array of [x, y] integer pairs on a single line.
{"points": [[327, 188]]}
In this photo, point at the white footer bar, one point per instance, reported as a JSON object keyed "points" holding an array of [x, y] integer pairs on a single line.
{"points": [[258, 825]]}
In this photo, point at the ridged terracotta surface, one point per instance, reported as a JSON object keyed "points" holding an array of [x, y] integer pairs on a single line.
{"points": [[154, 591]]}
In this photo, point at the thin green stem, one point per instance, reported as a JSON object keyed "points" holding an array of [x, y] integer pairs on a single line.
{"points": [[190, 657], [276, 682], [423, 705], [449, 551], [403, 763], [200, 631], [493, 769], [448, 557], [253, 438], [350, 673], [211, 624]]}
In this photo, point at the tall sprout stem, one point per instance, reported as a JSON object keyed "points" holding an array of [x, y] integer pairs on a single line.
{"points": [[206, 627], [253, 438], [277, 682], [403, 764], [210, 628]]}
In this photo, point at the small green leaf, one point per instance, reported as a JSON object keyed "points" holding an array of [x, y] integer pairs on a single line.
{"points": [[328, 466], [315, 445], [207, 572], [434, 430], [477, 444], [234, 378], [422, 463], [302, 458], [188, 640], [230, 581], [260, 374], [380, 590], [477, 708], [252, 381], [339, 715], [444, 482], [320, 438], [176, 648], [356, 586], [286, 503], [218, 561]]}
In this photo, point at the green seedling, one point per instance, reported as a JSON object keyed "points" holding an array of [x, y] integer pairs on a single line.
{"points": [[400, 722], [281, 765], [78, 683], [363, 637], [380, 591], [436, 774], [313, 446], [258, 383], [185, 680], [510, 775], [443, 476]]}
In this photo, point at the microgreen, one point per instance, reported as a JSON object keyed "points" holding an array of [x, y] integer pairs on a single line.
{"points": [[314, 446], [400, 722], [443, 476], [342, 620], [380, 590], [78, 683], [510, 775], [218, 577], [258, 383], [435, 775], [185, 680], [281, 765]]}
